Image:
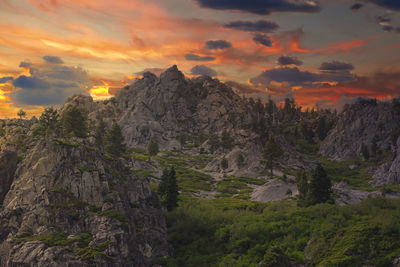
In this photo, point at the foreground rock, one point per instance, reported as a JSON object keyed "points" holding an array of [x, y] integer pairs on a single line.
{"points": [[69, 206], [274, 190]]}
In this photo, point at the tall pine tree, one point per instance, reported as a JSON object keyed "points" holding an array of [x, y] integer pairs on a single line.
{"points": [[114, 141]]}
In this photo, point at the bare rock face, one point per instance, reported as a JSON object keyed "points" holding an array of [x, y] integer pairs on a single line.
{"points": [[389, 172], [162, 108], [360, 123], [70, 206]]}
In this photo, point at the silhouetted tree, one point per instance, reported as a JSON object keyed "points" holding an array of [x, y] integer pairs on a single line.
{"points": [[152, 148], [272, 152], [74, 122], [21, 113], [114, 141]]}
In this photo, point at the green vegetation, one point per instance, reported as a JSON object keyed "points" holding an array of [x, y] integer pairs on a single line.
{"points": [[168, 189], [224, 164], [152, 148], [114, 141], [100, 132], [271, 153], [228, 232], [113, 214], [74, 122], [90, 252], [314, 188]]}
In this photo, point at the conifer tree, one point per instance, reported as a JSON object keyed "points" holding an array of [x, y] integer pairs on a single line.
{"points": [[364, 151], [74, 122], [302, 185], [321, 128], [272, 152], [21, 113], [100, 132], [152, 148], [114, 141], [162, 187], [239, 160], [214, 142], [226, 140], [224, 164], [172, 192], [320, 186], [49, 118]]}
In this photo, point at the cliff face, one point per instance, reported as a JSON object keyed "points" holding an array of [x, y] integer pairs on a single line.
{"points": [[162, 108], [69, 206], [359, 124]]}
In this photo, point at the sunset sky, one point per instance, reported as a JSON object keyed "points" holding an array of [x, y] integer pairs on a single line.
{"points": [[322, 52]]}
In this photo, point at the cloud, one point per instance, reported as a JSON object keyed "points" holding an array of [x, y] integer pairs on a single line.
{"points": [[50, 84], [261, 7], [6, 79], [242, 88], [248, 26], [356, 7], [25, 64], [192, 57], [262, 39], [283, 79], [218, 44], [389, 4], [287, 60], [336, 66], [53, 59], [203, 70]]}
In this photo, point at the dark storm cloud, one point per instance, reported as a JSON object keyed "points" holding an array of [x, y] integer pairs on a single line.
{"points": [[296, 77], [383, 19], [217, 44], [25, 64], [50, 84], [287, 60], [6, 79], [53, 59], [192, 57], [389, 4], [261, 7], [262, 39], [248, 26], [356, 7], [336, 66], [203, 70]]}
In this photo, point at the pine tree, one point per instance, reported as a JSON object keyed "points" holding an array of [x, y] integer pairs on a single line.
{"points": [[114, 141], [226, 140], [49, 118], [239, 160], [364, 151], [224, 164], [321, 128], [21, 113], [74, 122], [172, 192], [319, 190], [272, 152], [302, 185], [162, 187], [152, 148], [374, 147], [100, 132], [214, 142]]}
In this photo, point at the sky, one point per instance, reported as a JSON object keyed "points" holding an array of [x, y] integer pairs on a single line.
{"points": [[323, 53]]}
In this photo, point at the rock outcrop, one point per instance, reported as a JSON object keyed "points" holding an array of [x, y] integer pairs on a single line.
{"points": [[68, 205], [8, 164], [358, 124]]}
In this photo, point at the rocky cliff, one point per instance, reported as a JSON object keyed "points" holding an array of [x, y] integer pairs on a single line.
{"points": [[359, 124], [68, 205]]}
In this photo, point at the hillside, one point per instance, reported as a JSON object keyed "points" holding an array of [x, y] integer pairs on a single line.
{"points": [[83, 199]]}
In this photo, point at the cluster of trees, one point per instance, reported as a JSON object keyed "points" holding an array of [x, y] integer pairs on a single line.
{"points": [[313, 188], [225, 142], [168, 189], [370, 152]]}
